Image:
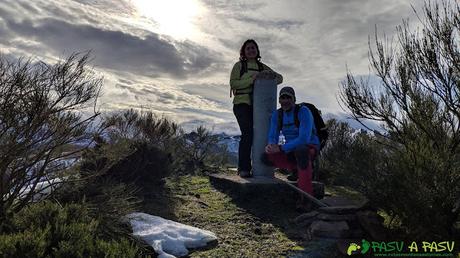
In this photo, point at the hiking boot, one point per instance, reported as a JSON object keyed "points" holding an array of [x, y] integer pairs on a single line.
{"points": [[293, 176], [303, 207], [244, 173]]}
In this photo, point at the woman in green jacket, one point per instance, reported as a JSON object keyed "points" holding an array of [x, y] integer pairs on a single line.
{"points": [[242, 78]]}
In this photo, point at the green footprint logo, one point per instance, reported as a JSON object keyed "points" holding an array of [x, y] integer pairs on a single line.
{"points": [[353, 247], [366, 245]]}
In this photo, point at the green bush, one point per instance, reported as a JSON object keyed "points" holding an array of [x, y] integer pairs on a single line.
{"points": [[129, 162], [143, 127], [416, 178], [334, 157], [48, 230], [108, 203], [41, 115], [142, 142], [108, 199], [420, 186], [200, 153], [174, 151], [415, 185], [350, 156]]}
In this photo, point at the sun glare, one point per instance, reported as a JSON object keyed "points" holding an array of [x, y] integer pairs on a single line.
{"points": [[174, 17]]}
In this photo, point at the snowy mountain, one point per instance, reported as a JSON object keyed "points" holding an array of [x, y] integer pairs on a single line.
{"points": [[230, 141]]}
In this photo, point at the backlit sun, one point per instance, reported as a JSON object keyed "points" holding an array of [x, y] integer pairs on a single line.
{"points": [[174, 17]]}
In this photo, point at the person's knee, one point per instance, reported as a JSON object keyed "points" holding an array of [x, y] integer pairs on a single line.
{"points": [[302, 156], [301, 151]]}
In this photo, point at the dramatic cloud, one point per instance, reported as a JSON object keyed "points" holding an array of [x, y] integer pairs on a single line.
{"points": [[310, 42], [149, 55]]}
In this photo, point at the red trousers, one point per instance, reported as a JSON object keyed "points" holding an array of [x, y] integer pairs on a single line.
{"points": [[304, 181]]}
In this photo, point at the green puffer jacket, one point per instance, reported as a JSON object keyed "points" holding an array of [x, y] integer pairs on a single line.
{"points": [[244, 84]]}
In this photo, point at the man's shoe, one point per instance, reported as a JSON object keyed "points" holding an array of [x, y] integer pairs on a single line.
{"points": [[303, 207], [244, 173]]}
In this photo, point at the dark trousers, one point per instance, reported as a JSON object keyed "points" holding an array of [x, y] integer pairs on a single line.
{"points": [[243, 114]]}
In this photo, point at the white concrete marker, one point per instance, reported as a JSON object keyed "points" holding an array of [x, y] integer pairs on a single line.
{"points": [[264, 104]]}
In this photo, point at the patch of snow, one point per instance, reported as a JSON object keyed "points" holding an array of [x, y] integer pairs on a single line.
{"points": [[42, 189], [168, 238], [68, 162]]}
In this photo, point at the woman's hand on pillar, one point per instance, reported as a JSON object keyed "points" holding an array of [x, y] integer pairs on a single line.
{"points": [[267, 74], [254, 76]]}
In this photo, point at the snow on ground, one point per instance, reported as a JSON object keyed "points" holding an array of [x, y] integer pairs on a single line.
{"points": [[46, 185], [168, 238], [42, 189]]}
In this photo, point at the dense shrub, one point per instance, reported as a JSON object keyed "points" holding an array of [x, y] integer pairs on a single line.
{"points": [[40, 114], [202, 152], [175, 151], [335, 155], [42, 124], [128, 161], [108, 202], [46, 229], [141, 126], [350, 155], [417, 102], [370, 164]]}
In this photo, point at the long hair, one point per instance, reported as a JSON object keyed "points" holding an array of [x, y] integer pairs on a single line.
{"points": [[242, 54]]}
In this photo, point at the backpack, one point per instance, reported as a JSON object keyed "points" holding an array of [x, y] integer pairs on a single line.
{"points": [[244, 69], [320, 126]]}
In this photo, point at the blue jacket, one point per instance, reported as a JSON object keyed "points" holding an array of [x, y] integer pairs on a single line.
{"points": [[307, 129]]}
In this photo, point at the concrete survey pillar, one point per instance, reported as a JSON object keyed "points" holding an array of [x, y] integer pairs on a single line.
{"points": [[264, 104]]}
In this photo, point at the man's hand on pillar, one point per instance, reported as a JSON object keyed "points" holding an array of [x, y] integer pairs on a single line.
{"points": [[272, 148]]}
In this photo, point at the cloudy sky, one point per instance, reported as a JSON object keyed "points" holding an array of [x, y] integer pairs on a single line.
{"points": [[174, 56]]}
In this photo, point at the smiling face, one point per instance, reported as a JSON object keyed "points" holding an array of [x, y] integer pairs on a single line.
{"points": [[250, 51], [287, 102]]}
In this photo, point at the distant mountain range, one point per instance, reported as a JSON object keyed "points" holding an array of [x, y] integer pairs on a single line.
{"points": [[230, 141]]}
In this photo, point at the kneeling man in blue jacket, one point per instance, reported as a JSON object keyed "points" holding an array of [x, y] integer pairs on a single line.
{"points": [[301, 143]]}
